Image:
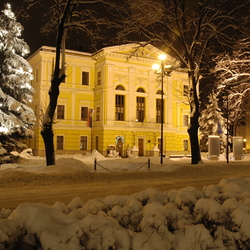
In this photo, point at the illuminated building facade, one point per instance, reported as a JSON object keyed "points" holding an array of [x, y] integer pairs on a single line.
{"points": [[112, 98]]}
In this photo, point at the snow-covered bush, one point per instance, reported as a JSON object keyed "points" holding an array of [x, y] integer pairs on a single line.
{"points": [[216, 218]]}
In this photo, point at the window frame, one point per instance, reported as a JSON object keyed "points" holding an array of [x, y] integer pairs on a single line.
{"points": [[85, 78], [84, 114], [140, 108], [60, 112], [119, 107], [185, 144], [84, 142], [59, 144], [185, 120]]}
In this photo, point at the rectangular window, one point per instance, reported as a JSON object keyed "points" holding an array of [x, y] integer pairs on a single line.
{"points": [[59, 142], [185, 145], [60, 111], [185, 120], [85, 78], [185, 90], [99, 78], [158, 111], [84, 113], [140, 108], [83, 142], [98, 114], [119, 108]]}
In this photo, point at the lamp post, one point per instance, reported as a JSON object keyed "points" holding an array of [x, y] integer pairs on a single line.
{"points": [[162, 69]]}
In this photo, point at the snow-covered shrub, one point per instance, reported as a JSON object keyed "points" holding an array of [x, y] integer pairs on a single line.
{"points": [[209, 212], [150, 195], [61, 206], [213, 192], [103, 233], [174, 217], [119, 200], [96, 205], [4, 213], [75, 203], [194, 237], [187, 197], [79, 213], [241, 219], [232, 204], [136, 222]]}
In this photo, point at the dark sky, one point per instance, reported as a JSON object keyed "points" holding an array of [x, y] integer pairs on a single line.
{"points": [[35, 39], [31, 33]]}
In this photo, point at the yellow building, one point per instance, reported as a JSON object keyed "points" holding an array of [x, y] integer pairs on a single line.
{"points": [[112, 97]]}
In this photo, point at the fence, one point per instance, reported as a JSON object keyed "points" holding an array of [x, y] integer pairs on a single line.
{"points": [[97, 164]]}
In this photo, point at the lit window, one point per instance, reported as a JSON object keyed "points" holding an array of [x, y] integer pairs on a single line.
{"points": [[119, 107], [119, 87], [59, 142], [84, 113], [140, 108], [159, 92], [185, 120], [85, 78], [158, 110], [140, 90], [60, 111], [185, 145], [83, 143]]}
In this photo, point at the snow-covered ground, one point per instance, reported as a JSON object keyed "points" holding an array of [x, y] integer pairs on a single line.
{"points": [[217, 217]]}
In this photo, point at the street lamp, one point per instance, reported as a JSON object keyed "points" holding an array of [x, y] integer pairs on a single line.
{"points": [[162, 69]]}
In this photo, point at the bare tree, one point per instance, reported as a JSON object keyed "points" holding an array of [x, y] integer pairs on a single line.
{"points": [[191, 31], [65, 16], [233, 74], [233, 68]]}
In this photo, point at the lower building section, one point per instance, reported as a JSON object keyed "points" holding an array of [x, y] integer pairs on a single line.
{"points": [[146, 143]]}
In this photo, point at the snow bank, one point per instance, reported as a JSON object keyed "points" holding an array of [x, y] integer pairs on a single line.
{"points": [[218, 217]]}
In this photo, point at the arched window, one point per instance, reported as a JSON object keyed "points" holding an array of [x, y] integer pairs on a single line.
{"points": [[141, 90], [119, 87], [159, 92]]}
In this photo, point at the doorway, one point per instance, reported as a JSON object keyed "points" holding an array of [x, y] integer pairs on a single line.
{"points": [[141, 146], [119, 146]]}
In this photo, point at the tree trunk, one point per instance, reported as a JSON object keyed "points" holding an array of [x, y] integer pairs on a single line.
{"points": [[48, 136], [58, 77], [194, 120], [194, 141]]}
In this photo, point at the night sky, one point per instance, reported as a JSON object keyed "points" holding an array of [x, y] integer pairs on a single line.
{"points": [[35, 39], [31, 33]]}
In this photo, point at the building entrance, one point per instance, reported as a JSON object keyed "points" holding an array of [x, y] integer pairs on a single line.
{"points": [[119, 146], [141, 146]]}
